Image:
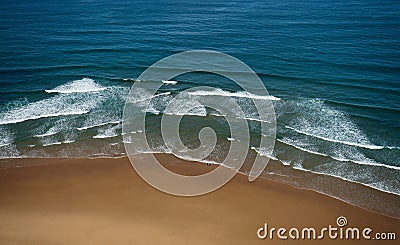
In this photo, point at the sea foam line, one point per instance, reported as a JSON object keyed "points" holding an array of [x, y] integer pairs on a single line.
{"points": [[340, 159], [374, 147], [345, 179], [240, 94], [169, 82], [44, 116], [57, 143], [151, 97], [104, 136], [45, 134], [262, 153], [98, 125], [78, 86]]}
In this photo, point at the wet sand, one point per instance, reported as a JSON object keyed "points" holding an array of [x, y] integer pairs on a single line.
{"points": [[104, 201]]}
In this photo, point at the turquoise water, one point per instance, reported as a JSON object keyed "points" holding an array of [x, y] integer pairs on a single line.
{"points": [[67, 66]]}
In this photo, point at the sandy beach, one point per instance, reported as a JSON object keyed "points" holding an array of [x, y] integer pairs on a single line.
{"points": [[104, 201]]}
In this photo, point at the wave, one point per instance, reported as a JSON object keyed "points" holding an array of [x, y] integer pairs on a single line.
{"points": [[59, 105], [45, 134], [57, 143], [53, 143], [366, 163], [12, 121], [374, 147], [189, 103], [240, 94], [145, 96], [110, 132], [186, 107], [98, 125], [345, 179], [393, 147], [68, 141], [128, 79], [255, 119], [169, 82], [193, 159], [201, 113], [264, 152], [152, 110], [302, 149], [104, 136], [78, 86], [374, 164]]}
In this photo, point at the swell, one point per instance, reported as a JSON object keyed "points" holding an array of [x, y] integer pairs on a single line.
{"points": [[352, 83]]}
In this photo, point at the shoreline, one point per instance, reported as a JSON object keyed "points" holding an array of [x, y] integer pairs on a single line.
{"points": [[104, 200], [389, 197]]}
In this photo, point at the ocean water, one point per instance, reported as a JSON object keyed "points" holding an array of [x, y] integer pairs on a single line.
{"points": [[333, 69]]}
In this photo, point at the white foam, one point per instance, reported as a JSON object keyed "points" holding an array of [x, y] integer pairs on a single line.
{"points": [[135, 132], [6, 137], [45, 134], [256, 119], [193, 159], [68, 141], [366, 163], [18, 120], [59, 105], [57, 143], [264, 152], [374, 147], [302, 149], [369, 163], [78, 86], [217, 114], [169, 82], [107, 133], [286, 163], [184, 106], [345, 179], [245, 118], [141, 96], [9, 151], [198, 112], [53, 143], [277, 174], [240, 94], [98, 125], [151, 109], [131, 79], [104, 136], [319, 120]]}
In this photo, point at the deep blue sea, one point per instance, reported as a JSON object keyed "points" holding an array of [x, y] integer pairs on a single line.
{"points": [[66, 68]]}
